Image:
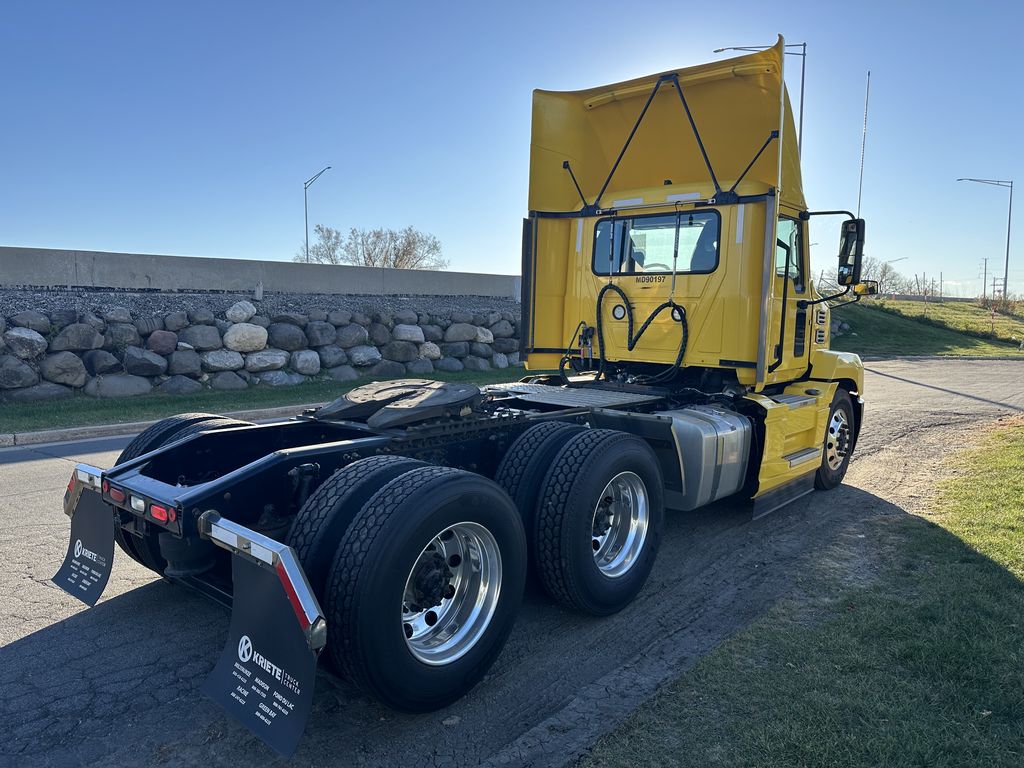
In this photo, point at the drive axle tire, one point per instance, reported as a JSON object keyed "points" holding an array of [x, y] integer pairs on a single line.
{"points": [[146, 550], [523, 467], [425, 588], [838, 447], [599, 521], [327, 513]]}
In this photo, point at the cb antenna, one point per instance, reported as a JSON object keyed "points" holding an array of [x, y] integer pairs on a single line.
{"points": [[863, 142]]}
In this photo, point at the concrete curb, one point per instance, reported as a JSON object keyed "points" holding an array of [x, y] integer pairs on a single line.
{"points": [[134, 427]]}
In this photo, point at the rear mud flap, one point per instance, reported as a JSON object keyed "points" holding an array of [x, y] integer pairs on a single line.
{"points": [[86, 567], [266, 674]]}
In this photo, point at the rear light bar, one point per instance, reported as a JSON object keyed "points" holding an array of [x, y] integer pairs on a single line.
{"points": [[84, 476], [263, 550]]}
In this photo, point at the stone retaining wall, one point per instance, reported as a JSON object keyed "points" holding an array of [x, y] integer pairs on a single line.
{"points": [[114, 351]]}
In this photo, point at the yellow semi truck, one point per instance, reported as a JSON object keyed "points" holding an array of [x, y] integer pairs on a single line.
{"points": [[665, 279]]}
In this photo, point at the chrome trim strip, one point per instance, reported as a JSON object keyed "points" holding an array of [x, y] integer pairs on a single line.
{"points": [[266, 552], [803, 456]]}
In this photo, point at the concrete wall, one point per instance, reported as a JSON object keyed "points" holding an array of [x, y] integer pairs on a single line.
{"points": [[49, 268]]}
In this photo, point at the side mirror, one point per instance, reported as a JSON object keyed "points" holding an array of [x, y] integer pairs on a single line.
{"points": [[866, 288], [851, 251]]}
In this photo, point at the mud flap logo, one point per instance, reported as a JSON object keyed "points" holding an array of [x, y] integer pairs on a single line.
{"points": [[266, 673], [86, 567]]}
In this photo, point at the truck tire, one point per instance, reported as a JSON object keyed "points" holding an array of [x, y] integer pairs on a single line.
{"points": [[327, 513], [425, 588], [838, 447], [523, 467], [146, 550], [599, 521]]}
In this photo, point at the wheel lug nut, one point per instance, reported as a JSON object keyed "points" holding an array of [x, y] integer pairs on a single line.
{"points": [[454, 561]]}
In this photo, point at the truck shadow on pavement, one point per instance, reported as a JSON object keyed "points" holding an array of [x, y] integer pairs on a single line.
{"points": [[119, 684]]}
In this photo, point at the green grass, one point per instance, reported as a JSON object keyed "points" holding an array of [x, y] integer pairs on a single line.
{"points": [[924, 666], [969, 318], [883, 333], [80, 410]]}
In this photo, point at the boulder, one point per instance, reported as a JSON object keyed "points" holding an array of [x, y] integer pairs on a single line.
{"points": [[222, 360], [462, 318], [245, 337], [430, 351], [419, 367], [266, 360], [318, 315], [146, 325], [3, 325], [455, 349], [400, 351], [41, 392], [379, 334], [201, 337], [179, 385], [185, 362], [339, 317], [364, 355], [506, 345], [476, 363], [175, 321], [361, 318], [162, 342], [320, 333], [291, 318], [492, 318], [24, 342], [92, 320], [15, 373], [76, 337], [448, 364], [116, 315], [143, 362], [403, 332], [118, 385], [99, 361], [286, 336], [484, 336], [201, 317], [432, 332], [32, 320], [281, 379], [228, 380], [387, 369], [222, 326], [240, 312], [499, 361], [63, 368], [480, 350], [331, 356], [502, 330], [513, 358], [352, 336], [261, 320], [406, 317], [460, 332], [305, 361], [478, 319], [343, 373], [120, 336], [61, 318], [384, 318]]}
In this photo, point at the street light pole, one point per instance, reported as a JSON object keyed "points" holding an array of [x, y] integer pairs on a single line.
{"points": [[1008, 184], [802, 53], [305, 204]]}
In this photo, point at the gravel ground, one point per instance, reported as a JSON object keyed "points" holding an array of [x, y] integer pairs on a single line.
{"points": [[146, 303], [119, 684]]}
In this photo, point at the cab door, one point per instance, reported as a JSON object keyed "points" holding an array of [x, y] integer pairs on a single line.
{"points": [[789, 287]]}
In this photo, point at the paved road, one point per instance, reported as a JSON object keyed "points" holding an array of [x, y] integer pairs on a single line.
{"points": [[118, 684]]}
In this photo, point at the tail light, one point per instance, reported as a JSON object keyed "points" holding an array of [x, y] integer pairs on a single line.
{"points": [[116, 494], [159, 512]]}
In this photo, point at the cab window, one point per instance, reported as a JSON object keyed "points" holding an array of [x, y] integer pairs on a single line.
{"points": [[789, 257], [650, 244]]}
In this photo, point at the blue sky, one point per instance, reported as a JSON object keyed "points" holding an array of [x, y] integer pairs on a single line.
{"points": [[188, 127]]}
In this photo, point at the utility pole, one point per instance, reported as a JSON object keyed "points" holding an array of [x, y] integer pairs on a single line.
{"points": [[918, 283], [305, 204], [984, 278], [940, 286], [1005, 184]]}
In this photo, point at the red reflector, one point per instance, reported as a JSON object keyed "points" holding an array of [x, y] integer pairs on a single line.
{"points": [[158, 512], [106, 486], [116, 494], [172, 514], [293, 596], [71, 483]]}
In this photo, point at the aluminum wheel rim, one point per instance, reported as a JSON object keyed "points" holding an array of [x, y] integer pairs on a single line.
{"points": [[465, 589], [619, 528], [837, 440]]}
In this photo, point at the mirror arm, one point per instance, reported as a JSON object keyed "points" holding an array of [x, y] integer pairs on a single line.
{"points": [[803, 303], [854, 300], [805, 215]]}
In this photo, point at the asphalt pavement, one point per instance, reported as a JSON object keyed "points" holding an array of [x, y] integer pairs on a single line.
{"points": [[118, 684]]}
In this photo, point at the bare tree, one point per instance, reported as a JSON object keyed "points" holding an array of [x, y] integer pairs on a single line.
{"points": [[395, 249]]}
